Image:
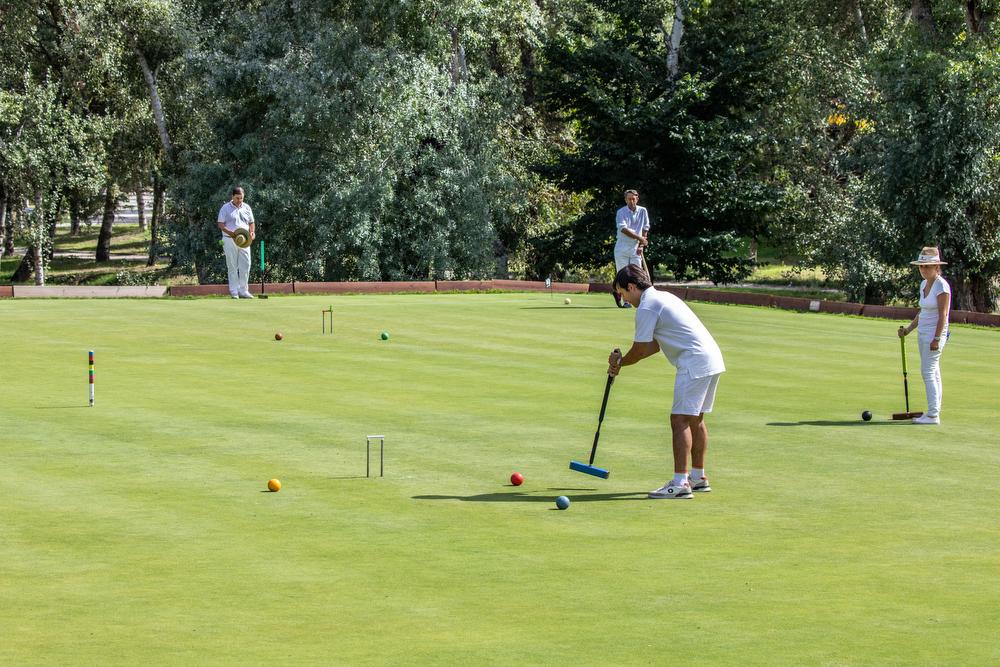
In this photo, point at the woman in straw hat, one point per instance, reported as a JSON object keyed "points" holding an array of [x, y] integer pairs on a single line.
{"points": [[931, 324]]}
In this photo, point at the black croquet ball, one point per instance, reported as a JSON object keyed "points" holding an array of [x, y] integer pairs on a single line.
{"points": [[866, 415]]}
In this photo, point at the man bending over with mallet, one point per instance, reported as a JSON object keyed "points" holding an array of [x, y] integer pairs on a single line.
{"points": [[664, 322]]}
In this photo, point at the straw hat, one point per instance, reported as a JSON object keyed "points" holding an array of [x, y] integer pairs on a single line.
{"points": [[929, 256], [241, 238]]}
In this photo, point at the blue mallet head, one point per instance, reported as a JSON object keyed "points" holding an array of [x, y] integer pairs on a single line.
{"points": [[589, 469]]}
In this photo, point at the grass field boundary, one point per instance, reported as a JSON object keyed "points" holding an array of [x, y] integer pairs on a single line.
{"points": [[440, 286]]}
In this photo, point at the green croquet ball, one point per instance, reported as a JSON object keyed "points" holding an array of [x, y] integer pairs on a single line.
{"points": [[562, 502], [866, 415], [385, 335]]}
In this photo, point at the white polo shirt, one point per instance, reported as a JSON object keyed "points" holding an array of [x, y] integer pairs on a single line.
{"points": [[236, 218], [635, 221], [682, 337]]}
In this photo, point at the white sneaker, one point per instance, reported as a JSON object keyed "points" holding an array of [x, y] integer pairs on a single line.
{"points": [[700, 485], [246, 295], [668, 490], [925, 419], [234, 296]]}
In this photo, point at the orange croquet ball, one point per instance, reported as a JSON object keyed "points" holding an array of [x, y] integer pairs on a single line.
{"points": [[273, 485], [278, 336]]}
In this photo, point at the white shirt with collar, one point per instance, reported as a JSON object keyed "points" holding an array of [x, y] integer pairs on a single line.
{"points": [[636, 221], [682, 338], [236, 217]]}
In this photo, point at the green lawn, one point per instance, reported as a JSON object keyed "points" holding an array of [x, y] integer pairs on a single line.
{"points": [[140, 532]]}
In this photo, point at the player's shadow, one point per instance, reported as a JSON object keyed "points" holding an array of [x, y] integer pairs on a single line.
{"points": [[848, 422], [568, 307], [524, 497]]}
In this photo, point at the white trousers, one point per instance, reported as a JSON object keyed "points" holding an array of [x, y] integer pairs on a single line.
{"points": [[930, 369], [238, 266]]}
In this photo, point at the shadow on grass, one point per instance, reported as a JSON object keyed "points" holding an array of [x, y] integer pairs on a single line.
{"points": [[524, 497], [569, 307], [849, 422], [60, 407]]}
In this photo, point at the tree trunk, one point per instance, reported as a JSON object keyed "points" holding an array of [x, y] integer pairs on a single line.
{"points": [[154, 219], [50, 228], [459, 68], [3, 219], [920, 13], [859, 17], [154, 98], [8, 230], [140, 205], [528, 72], [973, 292], [25, 268], [976, 19], [674, 37], [74, 216], [36, 257], [107, 222]]}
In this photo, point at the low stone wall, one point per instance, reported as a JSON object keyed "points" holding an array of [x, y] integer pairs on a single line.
{"points": [[6, 291], [840, 307], [87, 292], [399, 287]]}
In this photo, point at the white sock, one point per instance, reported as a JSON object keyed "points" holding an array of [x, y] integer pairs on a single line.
{"points": [[697, 473], [680, 478]]}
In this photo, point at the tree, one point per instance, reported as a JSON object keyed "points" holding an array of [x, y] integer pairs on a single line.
{"points": [[913, 162], [364, 151], [703, 121]]}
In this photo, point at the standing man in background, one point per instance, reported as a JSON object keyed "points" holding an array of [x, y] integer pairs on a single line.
{"points": [[632, 222], [233, 215]]}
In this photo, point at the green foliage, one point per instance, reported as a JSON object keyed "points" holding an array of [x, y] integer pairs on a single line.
{"points": [[705, 151], [359, 161], [940, 140], [422, 139]]}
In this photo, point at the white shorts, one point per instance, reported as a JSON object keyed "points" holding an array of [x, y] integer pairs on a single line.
{"points": [[693, 396], [626, 257]]}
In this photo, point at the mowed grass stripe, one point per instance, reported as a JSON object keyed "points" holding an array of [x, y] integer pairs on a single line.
{"points": [[138, 530]]}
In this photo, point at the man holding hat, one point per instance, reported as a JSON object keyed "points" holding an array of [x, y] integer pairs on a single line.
{"points": [[236, 223], [931, 324]]}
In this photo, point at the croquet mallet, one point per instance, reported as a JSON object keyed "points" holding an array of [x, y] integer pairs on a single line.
{"points": [[906, 387]]}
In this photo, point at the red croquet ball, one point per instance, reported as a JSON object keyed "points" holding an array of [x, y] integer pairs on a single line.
{"points": [[278, 336], [517, 479]]}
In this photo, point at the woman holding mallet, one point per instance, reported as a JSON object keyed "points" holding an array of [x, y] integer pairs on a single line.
{"points": [[931, 323]]}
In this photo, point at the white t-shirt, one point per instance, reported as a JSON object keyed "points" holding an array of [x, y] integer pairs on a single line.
{"points": [[635, 221], [682, 337], [236, 218], [928, 320]]}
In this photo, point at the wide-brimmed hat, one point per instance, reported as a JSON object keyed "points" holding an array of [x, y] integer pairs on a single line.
{"points": [[241, 238], [929, 256]]}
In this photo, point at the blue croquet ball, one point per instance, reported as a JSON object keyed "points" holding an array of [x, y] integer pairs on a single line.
{"points": [[866, 415], [562, 502], [385, 335]]}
